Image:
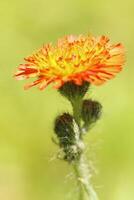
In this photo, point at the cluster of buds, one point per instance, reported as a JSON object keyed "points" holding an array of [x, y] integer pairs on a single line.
{"points": [[71, 128]]}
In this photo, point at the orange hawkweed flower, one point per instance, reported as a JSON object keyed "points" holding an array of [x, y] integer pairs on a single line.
{"points": [[73, 58]]}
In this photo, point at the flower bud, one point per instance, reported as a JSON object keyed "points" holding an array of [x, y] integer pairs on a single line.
{"points": [[74, 92], [91, 111], [67, 132], [64, 129]]}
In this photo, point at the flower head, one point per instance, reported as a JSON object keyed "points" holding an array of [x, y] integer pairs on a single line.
{"points": [[73, 58]]}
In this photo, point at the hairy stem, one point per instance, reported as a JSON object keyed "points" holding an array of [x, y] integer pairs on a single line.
{"points": [[81, 168], [83, 176]]}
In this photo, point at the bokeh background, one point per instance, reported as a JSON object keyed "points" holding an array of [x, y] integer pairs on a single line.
{"points": [[29, 169]]}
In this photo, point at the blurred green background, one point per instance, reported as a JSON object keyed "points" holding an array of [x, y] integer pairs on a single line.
{"points": [[29, 169]]}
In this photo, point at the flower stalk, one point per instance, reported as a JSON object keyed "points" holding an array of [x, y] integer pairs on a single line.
{"points": [[69, 130], [81, 168], [83, 176]]}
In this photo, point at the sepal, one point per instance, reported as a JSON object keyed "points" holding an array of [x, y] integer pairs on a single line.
{"points": [[74, 92]]}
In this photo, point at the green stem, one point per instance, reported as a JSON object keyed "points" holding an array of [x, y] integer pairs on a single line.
{"points": [[77, 110], [82, 172], [83, 176], [79, 184]]}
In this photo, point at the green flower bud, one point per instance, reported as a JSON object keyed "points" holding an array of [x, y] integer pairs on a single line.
{"points": [[74, 92], [91, 111]]}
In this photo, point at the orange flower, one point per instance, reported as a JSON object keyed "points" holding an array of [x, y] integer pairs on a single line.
{"points": [[73, 58]]}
